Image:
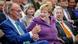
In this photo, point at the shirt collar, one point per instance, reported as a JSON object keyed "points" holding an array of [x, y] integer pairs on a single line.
{"points": [[13, 21]]}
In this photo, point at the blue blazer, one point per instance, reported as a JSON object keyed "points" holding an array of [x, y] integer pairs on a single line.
{"points": [[12, 37], [2, 17]]}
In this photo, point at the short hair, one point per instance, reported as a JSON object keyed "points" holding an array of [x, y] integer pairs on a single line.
{"points": [[7, 7], [48, 5], [28, 6]]}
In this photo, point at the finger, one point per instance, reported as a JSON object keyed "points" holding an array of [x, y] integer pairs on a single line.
{"points": [[38, 29], [36, 36]]}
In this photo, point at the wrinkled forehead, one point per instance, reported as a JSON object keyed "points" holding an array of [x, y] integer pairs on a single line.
{"points": [[15, 6]]}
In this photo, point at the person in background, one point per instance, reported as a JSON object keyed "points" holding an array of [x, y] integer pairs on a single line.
{"points": [[71, 10], [15, 31], [76, 10], [29, 12], [2, 19], [37, 13], [67, 18], [37, 3], [64, 5], [47, 24], [76, 16], [2, 16], [22, 4], [64, 27]]}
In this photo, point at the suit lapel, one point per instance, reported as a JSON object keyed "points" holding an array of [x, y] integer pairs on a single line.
{"points": [[8, 23], [23, 26]]}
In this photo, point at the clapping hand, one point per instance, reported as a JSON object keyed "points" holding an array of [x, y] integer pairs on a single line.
{"points": [[36, 29], [35, 32]]}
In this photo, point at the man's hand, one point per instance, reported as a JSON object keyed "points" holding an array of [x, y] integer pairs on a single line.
{"points": [[36, 29], [35, 36]]}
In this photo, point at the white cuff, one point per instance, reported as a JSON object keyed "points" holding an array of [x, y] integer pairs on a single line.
{"points": [[30, 34]]}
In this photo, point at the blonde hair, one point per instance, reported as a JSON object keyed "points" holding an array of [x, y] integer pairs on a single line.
{"points": [[48, 5]]}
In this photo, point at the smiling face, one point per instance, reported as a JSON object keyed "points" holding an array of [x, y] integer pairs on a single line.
{"points": [[15, 11], [59, 14]]}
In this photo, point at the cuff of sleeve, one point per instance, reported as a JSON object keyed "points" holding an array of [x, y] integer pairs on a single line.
{"points": [[30, 34]]}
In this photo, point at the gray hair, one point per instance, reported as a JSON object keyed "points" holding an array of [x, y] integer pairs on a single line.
{"points": [[7, 7]]}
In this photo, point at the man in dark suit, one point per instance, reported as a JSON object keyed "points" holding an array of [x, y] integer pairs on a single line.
{"points": [[63, 27], [71, 10], [67, 15], [15, 31]]}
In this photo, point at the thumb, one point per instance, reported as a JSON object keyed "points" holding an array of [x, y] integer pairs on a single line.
{"points": [[38, 28]]}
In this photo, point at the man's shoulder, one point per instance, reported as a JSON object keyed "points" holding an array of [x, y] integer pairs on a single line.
{"points": [[5, 22]]}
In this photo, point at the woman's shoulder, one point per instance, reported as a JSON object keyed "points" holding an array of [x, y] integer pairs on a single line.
{"points": [[36, 19], [52, 17]]}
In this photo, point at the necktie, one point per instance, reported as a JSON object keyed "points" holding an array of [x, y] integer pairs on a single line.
{"points": [[19, 29], [21, 32], [67, 30]]}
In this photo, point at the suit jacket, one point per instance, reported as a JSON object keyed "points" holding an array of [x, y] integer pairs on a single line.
{"points": [[62, 34], [76, 15], [11, 36], [73, 16], [2, 17]]}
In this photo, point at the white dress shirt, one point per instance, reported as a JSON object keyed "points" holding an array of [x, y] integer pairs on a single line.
{"points": [[13, 22]]}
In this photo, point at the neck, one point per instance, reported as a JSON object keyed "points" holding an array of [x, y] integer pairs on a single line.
{"points": [[14, 18]]}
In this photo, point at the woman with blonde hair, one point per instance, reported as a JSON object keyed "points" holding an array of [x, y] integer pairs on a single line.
{"points": [[37, 13], [47, 25]]}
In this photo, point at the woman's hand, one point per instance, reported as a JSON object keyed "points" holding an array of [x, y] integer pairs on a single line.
{"points": [[36, 29]]}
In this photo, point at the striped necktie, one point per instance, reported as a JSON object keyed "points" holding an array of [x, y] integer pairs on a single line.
{"points": [[19, 29], [67, 30], [21, 32]]}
